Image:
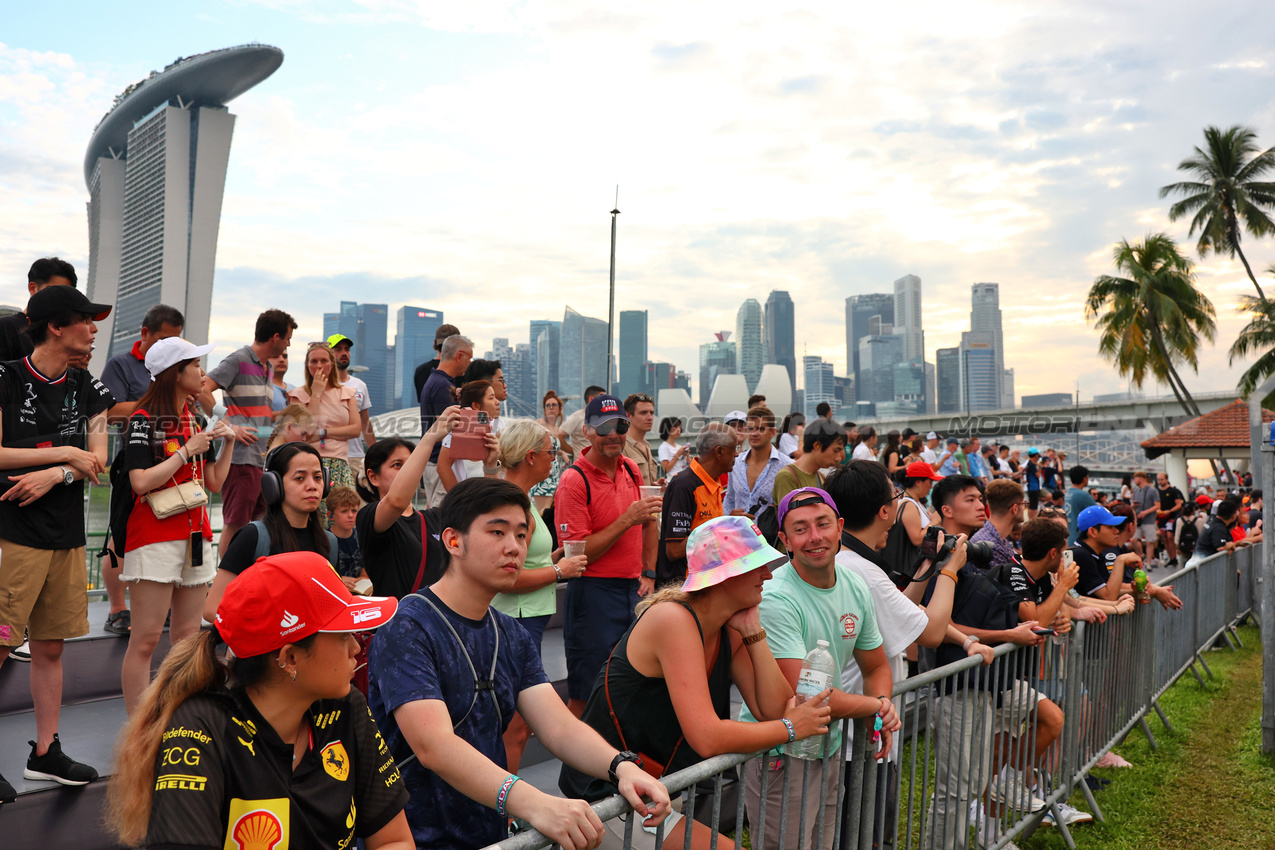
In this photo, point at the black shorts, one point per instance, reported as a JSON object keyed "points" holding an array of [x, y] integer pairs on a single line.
{"points": [[1033, 499], [596, 612]]}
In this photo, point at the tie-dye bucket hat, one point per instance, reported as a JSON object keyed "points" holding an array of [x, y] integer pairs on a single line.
{"points": [[725, 547]]}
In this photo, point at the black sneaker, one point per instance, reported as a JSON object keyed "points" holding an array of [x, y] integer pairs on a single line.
{"points": [[57, 766], [7, 792]]}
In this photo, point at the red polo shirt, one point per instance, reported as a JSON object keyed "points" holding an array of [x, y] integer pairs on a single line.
{"points": [[577, 520]]}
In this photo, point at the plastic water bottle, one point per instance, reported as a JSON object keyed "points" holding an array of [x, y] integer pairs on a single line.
{"points": [[816, 677]]}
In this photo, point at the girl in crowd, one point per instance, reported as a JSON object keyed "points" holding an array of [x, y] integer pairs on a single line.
{"points": [[903, 545], [673, 458], [335, 411], [665, 692], [1126, 489], [526, 453], [866, 444], [542, 493], [891, 457], [790, 435], [291, 522], [165, 448], [401, 551], [233, 754], [475, 395]]}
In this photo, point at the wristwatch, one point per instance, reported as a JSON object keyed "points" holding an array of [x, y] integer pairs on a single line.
{"points": [[649, 574], [68, 477], [615, 762]]}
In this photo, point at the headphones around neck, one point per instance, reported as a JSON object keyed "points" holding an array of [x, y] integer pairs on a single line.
{"points": [[272, 481]]}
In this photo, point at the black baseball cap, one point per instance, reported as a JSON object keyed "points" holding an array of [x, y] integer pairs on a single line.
{"points": [[603, 408], [54, 300]]}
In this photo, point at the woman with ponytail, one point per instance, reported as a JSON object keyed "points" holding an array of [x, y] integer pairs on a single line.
{"points": [[274, 748], [401, 552]]}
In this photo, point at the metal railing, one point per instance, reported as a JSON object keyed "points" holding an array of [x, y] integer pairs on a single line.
{"points": [[989, 749]]}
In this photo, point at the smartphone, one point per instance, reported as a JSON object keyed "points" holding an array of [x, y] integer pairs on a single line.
{"points": [[1044, 632], [467, 436], [1068, 558]]}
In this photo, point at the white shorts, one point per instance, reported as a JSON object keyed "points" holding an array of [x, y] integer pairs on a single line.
{"points": [[1017, 708], [169, 562], [1147, 531]]}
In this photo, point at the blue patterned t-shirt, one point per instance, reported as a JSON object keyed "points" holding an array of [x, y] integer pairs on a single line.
{"points": [[415, 657]]}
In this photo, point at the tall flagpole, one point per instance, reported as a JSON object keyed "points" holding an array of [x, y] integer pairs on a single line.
{"points": [[611, 308]]}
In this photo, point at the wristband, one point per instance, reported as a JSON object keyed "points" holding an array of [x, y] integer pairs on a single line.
{"points": [[969, 641], [491, 470], [792, 732], [503, 795], [950, 574], [181, 452]]}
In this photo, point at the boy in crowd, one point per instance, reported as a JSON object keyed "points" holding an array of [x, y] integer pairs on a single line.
{"points": [[447, 674], [823, 447], [344, 503]]}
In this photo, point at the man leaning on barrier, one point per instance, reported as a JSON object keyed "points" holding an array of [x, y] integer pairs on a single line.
{"points": [[1099, 531], [809, 600]]}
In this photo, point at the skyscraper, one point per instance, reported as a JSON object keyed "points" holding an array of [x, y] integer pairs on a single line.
{"points": [[909, 384], [632, 352], [345, 322], [750, 353], [545, 341], [781, 347], [371, 349], [658, 376], [414, 329], [715, 358], [820, 385], [878, 352], [582, 357], [948, 369], [156, 170], [985, 318], [980, 377], [907, 316], [860, 309]]}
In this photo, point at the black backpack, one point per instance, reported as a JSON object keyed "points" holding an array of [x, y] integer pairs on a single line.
{"points": [[119, 510], [548, 515]]}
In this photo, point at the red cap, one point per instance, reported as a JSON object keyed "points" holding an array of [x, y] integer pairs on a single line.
{"points": [[282, 599], [921, 469], [1203, 500]]}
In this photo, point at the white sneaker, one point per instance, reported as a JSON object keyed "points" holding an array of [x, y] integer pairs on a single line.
{"points": [[1008, 790], [21, 653], [1070, 816]]}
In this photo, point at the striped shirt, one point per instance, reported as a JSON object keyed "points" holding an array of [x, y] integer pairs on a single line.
{"points": [[248, 394]]}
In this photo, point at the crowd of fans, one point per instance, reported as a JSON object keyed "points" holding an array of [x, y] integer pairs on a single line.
{"points": [[688, 570]]}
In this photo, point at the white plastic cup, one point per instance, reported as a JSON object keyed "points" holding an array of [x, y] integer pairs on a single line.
{"points": [[572, 548], [651, 490]]}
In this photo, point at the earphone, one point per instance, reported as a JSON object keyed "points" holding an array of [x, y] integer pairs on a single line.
{"points": [[272, 481]]}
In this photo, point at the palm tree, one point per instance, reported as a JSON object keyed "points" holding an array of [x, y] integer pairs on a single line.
{"points": [[1228, 195], [1257, 336], [1150, 315]]}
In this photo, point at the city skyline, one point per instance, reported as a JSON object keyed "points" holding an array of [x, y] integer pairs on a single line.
{"points": [[825, 154]]}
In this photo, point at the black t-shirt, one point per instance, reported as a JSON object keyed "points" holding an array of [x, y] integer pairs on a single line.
{"points": [[1028, 588], [1109, 562], [421, 375], [1216, 534], [1093, 570], [350, 556], [1169, 498], [41, 413], [14, 344], [678, 519], [1254, 517], [223, 777], [242, 551], [392, 558], [980, 602]]}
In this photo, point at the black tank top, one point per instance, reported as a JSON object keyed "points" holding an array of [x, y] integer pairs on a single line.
{"points": [[645, 713]]}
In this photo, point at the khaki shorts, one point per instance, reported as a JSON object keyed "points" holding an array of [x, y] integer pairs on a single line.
{"points": [[169, 562], [44, 591]]}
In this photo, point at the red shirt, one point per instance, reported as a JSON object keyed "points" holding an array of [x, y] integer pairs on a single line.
{"points": [[609, 500], [144, 449]]}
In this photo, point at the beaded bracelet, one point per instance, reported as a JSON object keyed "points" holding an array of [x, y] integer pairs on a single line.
{"points": [[503, 795], [792, 732]]}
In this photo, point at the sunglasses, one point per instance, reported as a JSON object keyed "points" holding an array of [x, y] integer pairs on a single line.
{"points": [[616, 426]]}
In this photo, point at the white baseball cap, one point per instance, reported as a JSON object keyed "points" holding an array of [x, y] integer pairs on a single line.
{"points": [[736, 416], [931, 436], [171, 351]]}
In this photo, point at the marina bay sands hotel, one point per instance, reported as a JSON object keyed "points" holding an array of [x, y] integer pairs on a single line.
{"points": [[156, 171]]}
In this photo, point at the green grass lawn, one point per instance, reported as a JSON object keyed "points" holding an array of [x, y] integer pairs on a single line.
{"points": [[1208, 785]]}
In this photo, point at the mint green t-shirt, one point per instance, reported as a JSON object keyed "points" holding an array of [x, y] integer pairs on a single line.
{"points": [[542, 600], [796, 615]]}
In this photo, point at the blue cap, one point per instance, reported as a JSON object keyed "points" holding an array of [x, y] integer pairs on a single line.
{"points": [[1033, 451], [603, 408], [1097, 515]]}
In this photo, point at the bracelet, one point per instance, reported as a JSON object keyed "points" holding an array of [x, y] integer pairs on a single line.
{"points": [[950, 574], [491, 470], [752, 639], [503, 795], [969, 641], [181, 452], [558, 570], [792, 732]]}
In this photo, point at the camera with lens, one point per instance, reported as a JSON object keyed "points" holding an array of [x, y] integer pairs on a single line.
{"points": [[978, 553]]}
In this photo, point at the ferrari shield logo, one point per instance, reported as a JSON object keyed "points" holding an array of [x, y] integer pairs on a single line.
{"points": [[335, 761]]}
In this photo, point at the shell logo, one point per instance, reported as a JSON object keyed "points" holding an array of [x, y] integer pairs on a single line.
{"points": [[259, 830], [171, 446]]}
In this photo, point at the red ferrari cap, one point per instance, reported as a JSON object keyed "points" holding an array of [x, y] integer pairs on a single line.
{"points": [[282, 599]]}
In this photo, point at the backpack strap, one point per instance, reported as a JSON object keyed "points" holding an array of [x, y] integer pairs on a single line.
{"points": [[488, 684], [588, 491], [333, 548], [263, 539]]}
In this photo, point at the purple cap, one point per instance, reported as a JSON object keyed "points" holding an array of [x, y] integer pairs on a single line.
{"points": [[801, 497], [603, 408]]}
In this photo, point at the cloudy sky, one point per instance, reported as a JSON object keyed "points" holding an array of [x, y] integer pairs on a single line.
{"points": [[464, 156]]}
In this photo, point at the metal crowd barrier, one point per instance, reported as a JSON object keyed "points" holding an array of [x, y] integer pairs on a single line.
{"points": [[973, 755]]}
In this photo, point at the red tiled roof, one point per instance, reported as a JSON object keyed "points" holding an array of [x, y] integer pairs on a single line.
{"points": [[1226, 427]]}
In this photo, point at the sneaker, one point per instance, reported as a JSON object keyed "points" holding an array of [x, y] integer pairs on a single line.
{"points": [[57, 766], [1008, 789], [7, 792], [21, 653], [1072, 815], [1111, 759]]}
